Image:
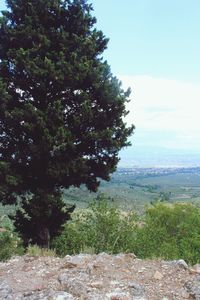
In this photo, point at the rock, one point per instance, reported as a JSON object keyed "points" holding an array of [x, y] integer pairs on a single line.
{"points": [[96, 284], [193, 288], [101, 257], [181, 263], [90, 268], [177, 263], [136, 289], [64, 296], [131, 255], [138, 298], [77, 260], [142, 270], [118, 296], [69, 265], [185, 295], [75, 285], [195, 269], [29, 259], [157, 275], [49, 294], [5, 290], [114, 282]]}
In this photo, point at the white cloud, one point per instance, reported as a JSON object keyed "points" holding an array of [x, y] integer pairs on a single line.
{"points": [[161, 105]]}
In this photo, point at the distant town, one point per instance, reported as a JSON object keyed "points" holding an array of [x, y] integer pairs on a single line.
{"points": [[157, 171]]}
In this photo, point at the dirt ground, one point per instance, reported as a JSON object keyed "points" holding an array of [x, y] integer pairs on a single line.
{"points": [[95, 277]]}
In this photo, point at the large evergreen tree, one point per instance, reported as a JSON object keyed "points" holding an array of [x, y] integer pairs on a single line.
{"points": [[61, 110]]}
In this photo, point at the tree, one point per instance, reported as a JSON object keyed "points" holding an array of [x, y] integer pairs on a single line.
{"points": [[61, 110]]}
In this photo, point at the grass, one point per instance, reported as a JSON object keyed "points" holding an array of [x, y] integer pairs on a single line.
{"points": [[34, 250]]}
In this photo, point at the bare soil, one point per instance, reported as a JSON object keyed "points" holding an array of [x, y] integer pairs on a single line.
{"points": [[103, 276]]}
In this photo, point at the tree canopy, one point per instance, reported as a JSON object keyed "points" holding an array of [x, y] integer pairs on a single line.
{"points": [[61, 109]]}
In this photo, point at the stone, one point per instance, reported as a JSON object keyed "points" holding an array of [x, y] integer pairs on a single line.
{"points": [[139, 298], [141, 270], [136, 289], [185, 295], [69, 265], [50, 294], [29, 259], [157, 275], [77, 260], [77, 286], [195, 269], [5, 290], [96, 284], [193, 288], [117, 296], [181, 263], [114, 282], [101, 257]]}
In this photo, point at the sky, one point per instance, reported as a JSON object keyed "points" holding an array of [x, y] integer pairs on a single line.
{"points": [[154, 48]]}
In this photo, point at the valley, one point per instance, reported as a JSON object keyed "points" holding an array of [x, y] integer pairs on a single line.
{"points": [[133, 188]]}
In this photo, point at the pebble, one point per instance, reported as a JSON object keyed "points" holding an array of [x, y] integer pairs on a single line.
{"points": [[157, 275], [96, 284], [185, 295], [117, 296], [195, 269]]}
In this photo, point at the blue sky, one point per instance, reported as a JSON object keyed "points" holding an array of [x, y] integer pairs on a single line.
{"points": [[154, 48], [152, 37]]}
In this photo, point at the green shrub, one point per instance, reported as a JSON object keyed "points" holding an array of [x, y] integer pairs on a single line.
{"points": [[100, 228], [10, 244], [166, 231], [170, 232]]}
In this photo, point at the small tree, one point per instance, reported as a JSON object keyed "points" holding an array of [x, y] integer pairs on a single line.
{"points": [[61, 110]]}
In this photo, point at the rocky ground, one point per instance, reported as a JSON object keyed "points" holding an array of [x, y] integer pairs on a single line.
{"points": [[98, 277]]}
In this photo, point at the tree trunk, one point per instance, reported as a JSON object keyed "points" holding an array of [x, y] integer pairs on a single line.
{"points": [[44, 237]]}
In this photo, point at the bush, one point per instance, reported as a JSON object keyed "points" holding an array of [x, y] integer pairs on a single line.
{"points": [[165, 231], [100, 228], [170, 232], [10, 244]]}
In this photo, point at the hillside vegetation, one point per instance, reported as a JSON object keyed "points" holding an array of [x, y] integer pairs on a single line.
{"points": [[168, 231], [134, 188]]}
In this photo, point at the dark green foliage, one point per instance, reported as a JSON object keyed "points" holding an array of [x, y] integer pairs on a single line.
{"points": [[170, 232], [100, 228], [37, 230], [61, 109]]}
